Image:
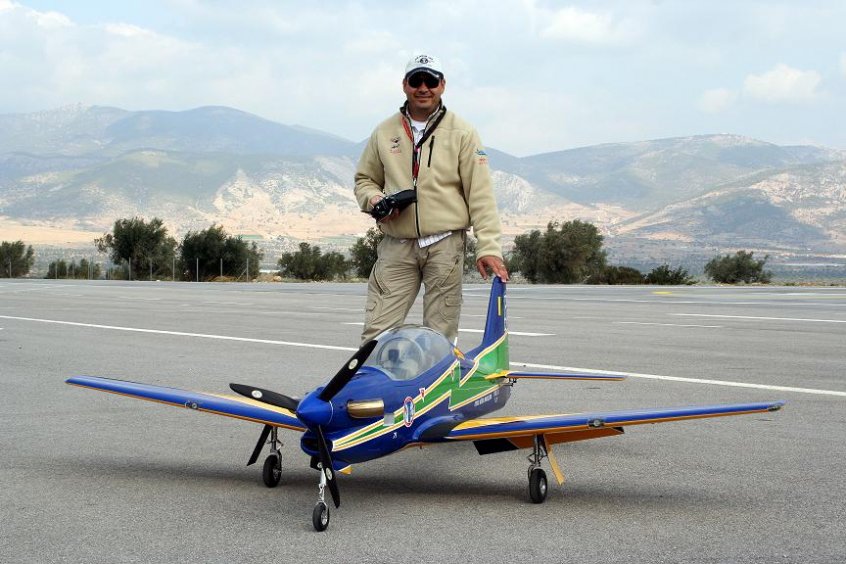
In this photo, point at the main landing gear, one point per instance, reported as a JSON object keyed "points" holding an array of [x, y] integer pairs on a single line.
{"points": [[272, 471], [538, 484], [271, 474]]}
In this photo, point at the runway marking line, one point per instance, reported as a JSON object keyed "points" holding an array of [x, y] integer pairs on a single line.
{"points": [[687, 380], [759, 318], [514, 363], [666, 324], [183, 334], [518, 333]]}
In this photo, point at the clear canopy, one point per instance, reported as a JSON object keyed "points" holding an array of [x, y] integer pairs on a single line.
{"points": [[404, 353]]}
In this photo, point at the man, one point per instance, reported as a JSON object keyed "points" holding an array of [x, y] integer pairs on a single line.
{"points": [[437, 155]]}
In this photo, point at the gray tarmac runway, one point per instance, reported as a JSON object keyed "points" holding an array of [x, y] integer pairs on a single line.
{"points": [[93, 477]]}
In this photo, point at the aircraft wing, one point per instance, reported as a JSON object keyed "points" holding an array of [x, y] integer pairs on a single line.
{"points": [[229, 406], [498, 434]]}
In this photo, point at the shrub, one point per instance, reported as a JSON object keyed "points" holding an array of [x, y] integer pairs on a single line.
{"points": [[740, 267], [15, 259], [566, 253], [617, 275], [364, 252], [662, 275]]}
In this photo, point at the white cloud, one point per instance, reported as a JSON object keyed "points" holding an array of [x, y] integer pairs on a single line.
{"points": [[573, 24], [337, 66], [783, 84], [716, 100], [127, 30], [376, 43], [52, 20]]}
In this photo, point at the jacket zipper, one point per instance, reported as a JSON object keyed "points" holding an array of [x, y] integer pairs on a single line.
{"points": [[415, 163]]}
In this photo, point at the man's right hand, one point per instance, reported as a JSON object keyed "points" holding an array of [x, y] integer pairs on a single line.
{"points": [[495, 264], [377, 198]]}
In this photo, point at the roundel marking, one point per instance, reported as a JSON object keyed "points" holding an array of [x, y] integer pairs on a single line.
{"points": [[408, 411]]}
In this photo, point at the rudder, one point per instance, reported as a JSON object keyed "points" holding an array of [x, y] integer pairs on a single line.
{"points": [[495, 326]]}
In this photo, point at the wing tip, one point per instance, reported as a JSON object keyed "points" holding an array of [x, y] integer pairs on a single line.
{"points": [[776, 405]]}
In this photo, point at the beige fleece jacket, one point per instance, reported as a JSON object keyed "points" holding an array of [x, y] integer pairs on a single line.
{"points": [[454, 189]]}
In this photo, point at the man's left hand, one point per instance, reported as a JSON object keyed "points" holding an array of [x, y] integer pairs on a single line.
{"points": [[496, 266]]}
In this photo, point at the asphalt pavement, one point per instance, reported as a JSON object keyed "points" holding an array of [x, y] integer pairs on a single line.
{"points": [[94, 477]]}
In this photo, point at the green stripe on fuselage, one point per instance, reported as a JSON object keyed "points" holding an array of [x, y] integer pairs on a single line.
{"points": [[474, 384], [448, 386]]}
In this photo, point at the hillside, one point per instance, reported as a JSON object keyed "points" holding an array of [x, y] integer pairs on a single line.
{"points": [[80, 168]]}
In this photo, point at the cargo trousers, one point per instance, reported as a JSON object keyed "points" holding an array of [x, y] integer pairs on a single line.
{"points": [[402, 266]]}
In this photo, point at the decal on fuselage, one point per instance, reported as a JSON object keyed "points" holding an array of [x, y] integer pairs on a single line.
{"points": [[408, 411]]}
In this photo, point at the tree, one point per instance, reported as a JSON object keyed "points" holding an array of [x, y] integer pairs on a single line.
{"points": [[662, 275], [16, 259], [364, 253], [309, 263], [470, 254], [566, 253], [83, 271], [57, 269], [216, 253], [144, 247], [740, 267]]}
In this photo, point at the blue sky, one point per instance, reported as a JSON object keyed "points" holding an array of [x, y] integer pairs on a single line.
{"points": [[532, 76]]}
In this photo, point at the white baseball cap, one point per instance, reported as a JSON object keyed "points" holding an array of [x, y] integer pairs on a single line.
{"points": [[424, 63]]}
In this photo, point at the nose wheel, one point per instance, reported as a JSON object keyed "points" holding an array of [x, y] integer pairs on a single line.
{"points": [[320, 514]]}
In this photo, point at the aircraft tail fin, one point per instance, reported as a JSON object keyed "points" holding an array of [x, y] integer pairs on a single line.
{"points": [[494, 344], [495, 321]]}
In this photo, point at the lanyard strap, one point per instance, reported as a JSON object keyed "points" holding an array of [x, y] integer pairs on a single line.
{"points": [[417, 148]]}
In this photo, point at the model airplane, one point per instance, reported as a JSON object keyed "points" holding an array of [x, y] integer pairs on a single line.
{"points": [[407, 387]]}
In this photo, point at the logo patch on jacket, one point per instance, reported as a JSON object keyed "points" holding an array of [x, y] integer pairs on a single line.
{"points": [[395, 148], [482, 156]]}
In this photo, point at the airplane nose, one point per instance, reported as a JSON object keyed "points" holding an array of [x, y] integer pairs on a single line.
{"points": [[314, 412]]}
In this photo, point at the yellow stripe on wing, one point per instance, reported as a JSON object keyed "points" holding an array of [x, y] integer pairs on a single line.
{"points": [[198, 408]]}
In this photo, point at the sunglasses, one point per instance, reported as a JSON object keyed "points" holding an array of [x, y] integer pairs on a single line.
{"points": [[418, 78]]}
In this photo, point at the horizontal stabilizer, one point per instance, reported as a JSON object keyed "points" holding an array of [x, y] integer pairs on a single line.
{"points": [[226, 405], [556, 376]]}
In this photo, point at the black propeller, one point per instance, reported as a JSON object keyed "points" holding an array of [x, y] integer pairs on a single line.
{"points": [[262, 439], [327, 468], [315, 410], [347, 371], [266, 396]]}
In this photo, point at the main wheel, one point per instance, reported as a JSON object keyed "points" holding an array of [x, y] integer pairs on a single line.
{"points": [[272, 471], [320, 516], [537, 485]]}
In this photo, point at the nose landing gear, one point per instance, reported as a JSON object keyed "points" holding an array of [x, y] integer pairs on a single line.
{"points": [[320, 514]]}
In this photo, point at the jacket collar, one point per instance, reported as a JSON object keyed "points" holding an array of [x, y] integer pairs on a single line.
{"points": [[434, 117], [431, 122]]}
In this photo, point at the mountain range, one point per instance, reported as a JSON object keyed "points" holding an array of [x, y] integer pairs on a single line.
{"points": [[78, 169]]}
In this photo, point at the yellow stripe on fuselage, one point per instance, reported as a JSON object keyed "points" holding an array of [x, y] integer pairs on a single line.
{"points": [[358, 437]]}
